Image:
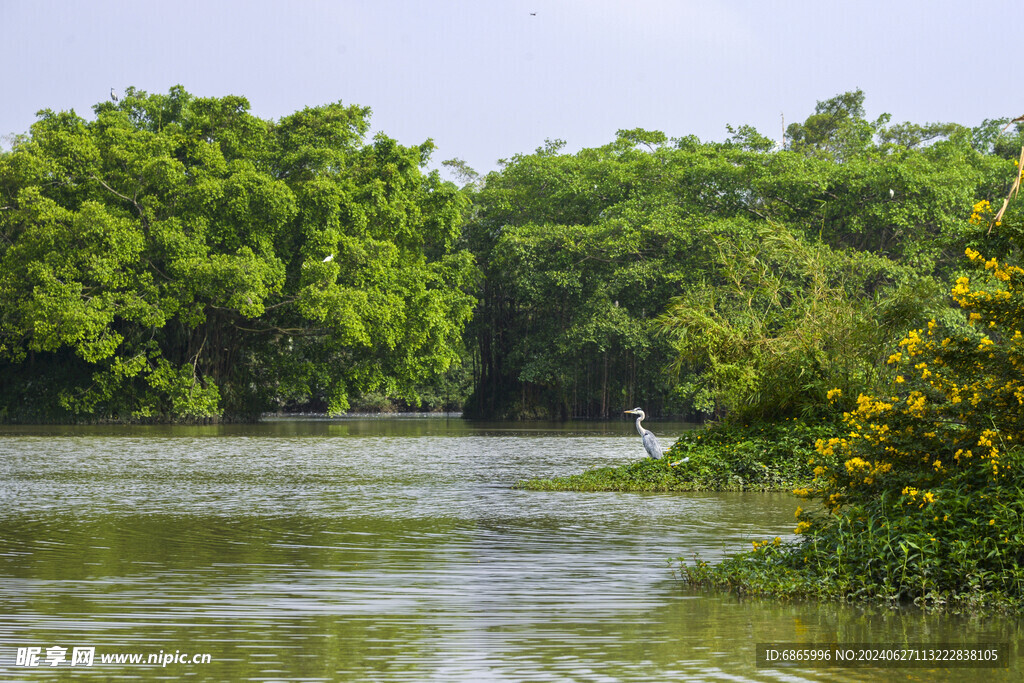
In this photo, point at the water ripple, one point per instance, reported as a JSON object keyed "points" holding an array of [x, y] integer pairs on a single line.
{"points": [[385, 550]]}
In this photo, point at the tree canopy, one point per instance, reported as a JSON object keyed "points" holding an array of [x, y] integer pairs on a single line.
{"points": [[179, 257], [604, 267]]}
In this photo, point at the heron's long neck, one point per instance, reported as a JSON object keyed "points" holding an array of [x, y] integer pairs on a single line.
{"points": [[639, 429]]}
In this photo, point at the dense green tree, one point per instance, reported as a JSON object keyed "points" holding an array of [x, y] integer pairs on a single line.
{"points": [[575, 263], [640, 222], [178, 257], [780, 321], [837, 128]]}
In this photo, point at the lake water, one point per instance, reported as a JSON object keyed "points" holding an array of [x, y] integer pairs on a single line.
{"points": [[393, 549]]}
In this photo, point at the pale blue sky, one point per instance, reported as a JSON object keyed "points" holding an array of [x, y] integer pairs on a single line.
{"points": [[487, 80]]}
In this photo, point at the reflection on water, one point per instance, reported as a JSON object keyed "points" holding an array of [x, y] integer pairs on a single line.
{"points": [[393, 549]]}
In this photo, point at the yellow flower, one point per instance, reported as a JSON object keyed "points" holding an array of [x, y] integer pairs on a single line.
{"points": [[854, 464]]}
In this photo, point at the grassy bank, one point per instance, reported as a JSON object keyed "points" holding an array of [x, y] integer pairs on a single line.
{"points": [[723, 457]]}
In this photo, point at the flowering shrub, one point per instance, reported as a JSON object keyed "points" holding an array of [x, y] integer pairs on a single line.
{"points": [[923, 487], [957, 404]]}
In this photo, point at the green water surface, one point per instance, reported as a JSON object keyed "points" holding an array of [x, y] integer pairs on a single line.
{"points": [[394, 550]]}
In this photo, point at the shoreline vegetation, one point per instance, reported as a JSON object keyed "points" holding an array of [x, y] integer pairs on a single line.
{"points": [[846, 307], [300, 415], [919, 497], [722, 457]]}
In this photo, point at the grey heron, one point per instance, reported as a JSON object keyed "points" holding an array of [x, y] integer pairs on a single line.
{"points": [[650, 441]]}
